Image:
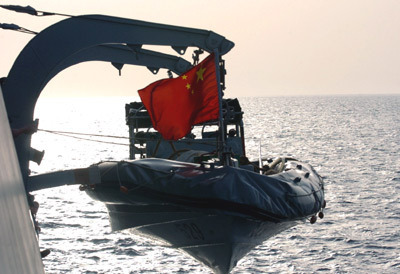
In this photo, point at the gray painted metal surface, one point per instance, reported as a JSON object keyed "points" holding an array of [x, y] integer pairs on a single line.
{"points": [[19, 250], [122, 54]]}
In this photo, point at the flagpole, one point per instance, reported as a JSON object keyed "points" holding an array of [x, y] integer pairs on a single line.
{"points": [[221, 121]]}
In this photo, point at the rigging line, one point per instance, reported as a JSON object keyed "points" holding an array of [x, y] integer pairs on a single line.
{"points": [[86, 139], [305, 195], [27, 31], [190, 141], [84, 134], [15, 27]]}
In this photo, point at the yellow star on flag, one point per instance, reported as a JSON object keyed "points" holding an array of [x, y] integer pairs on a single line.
{"points": [[200, 73], [184, 77], [188, 86]]}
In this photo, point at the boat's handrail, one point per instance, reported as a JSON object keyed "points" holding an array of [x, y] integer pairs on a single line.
{"points": [[141, 133]]}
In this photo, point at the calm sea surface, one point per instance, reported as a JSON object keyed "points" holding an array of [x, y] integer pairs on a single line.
{"points": [[353, 142]]}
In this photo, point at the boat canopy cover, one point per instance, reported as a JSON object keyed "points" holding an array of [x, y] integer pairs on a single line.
{"points": [[295, 193]]}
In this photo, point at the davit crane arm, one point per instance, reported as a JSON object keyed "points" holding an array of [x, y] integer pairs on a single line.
{"points": [[70, 41]]}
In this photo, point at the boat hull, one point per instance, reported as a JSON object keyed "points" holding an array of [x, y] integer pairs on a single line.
{"points": [[217, 215], [218, 240]]}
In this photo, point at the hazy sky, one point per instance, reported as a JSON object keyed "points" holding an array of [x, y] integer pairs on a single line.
{"points": [[283, 47]]}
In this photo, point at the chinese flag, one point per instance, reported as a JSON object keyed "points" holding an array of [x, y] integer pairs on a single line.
{"points": [[176, 104]]}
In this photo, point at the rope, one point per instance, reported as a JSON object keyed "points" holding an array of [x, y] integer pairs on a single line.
{"points": [[65, 133], [313, 192], [85, 134]]}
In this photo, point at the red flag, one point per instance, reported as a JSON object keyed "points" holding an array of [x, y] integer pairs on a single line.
{"points": [[176, 104]]}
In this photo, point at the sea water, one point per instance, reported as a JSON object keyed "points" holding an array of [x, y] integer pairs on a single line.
{"points": [[352, 141]]}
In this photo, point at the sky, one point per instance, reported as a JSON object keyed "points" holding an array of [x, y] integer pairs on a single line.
{"points": [[282, 47]]}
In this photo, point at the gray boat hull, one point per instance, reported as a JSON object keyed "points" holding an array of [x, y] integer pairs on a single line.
{"points": [[218, 240], [147, 198]]}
